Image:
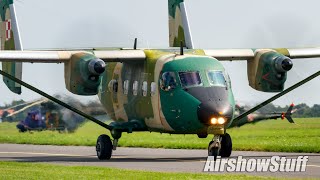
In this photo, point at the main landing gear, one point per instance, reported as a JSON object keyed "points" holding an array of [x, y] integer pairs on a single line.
{"points": [[221, 145], [104, 145]]}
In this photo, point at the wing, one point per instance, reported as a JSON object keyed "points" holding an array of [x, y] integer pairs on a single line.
{"points": [[66, 56], [83, 69], [250, 54]]}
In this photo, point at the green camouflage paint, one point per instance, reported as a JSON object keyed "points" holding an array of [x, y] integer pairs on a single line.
{"points": [[105, 95], [176, 31], [78, 78], [179, 107], [172, 7], [8, 44], [4, 4], [266, 79], [142, 108]]}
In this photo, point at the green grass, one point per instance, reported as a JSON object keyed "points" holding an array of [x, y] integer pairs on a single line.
{"points": [[15, 170], [273, 135]]}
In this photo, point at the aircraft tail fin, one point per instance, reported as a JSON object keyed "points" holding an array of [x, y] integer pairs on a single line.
{"points": [[179, 29], [10, 40]]}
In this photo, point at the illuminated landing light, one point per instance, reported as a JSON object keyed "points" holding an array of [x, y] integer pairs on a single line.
{"points": [[221, 120], [214, 120]]}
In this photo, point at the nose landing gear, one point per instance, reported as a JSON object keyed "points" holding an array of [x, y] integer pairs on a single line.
{"points": [[221, 145], [214, 147]]}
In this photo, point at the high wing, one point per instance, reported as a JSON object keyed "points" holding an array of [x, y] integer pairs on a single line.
{"points": [[65, 56], [139, 55], [249, 54]]}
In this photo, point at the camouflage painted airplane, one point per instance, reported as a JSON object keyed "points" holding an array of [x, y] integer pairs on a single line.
{"points": [[174, 90]]}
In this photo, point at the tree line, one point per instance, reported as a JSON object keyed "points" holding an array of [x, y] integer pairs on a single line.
{"points": [[301, 110]]}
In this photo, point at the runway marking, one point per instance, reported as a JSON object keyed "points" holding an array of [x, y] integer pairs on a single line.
{"points": [[50, 154], [311, 165], [76, 155], [54, 154]]}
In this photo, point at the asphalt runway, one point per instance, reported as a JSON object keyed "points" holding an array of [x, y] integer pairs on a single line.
{"points": [[168, 160]]}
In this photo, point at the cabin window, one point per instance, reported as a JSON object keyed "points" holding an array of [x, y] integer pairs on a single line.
{"points": [[126, 87], [144, 88], [113, 85], [168, 81], [153, 89], [216, 78], [135, 88], [190, 79]]}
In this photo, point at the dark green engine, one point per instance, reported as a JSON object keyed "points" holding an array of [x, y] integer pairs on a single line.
{"points": [[83, 74], [267, 72]]}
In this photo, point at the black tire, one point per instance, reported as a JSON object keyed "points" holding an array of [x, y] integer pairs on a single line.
{"points": [[104, 147], [213, 151], [226, 146]]}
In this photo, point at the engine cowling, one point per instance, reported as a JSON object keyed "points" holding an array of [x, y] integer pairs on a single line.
{"points": [[83, 74], [267, 72]]}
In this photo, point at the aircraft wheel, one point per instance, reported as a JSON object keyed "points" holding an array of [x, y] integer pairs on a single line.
{"points": [[226, 146], [104, 147], [213, 150]]}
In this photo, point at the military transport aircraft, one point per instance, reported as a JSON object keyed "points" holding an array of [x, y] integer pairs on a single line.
{"points": [[174, 90]]}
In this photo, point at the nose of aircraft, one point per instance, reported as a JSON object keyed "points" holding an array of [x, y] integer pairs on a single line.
{"points": [[214, 104], [211, 111]]}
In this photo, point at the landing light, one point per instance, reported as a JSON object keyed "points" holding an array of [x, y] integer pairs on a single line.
{"points": [[214, 120], [219, 120]]}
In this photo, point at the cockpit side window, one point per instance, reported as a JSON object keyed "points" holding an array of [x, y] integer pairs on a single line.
{"points": [[217, 78], [168, 81], [189, 79]]}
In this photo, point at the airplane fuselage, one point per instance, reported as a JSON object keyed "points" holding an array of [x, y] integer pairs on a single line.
{"points": [[169, 92]]}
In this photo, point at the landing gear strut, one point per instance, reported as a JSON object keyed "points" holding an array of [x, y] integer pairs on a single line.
{"points": [[221, 145], [214, 147]]}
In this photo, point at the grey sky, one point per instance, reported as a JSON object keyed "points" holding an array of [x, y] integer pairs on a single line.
{"points": [[214, 24]]}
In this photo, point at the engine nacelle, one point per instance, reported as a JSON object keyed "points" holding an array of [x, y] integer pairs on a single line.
{"points": [[83, 74], [267, 72]]}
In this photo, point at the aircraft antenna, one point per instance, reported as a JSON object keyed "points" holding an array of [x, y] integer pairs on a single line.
{"points": [[181, 48], [135, 43]]}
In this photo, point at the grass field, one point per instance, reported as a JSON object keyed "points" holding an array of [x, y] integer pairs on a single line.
{"points": [[14, 170], [273, 135]]}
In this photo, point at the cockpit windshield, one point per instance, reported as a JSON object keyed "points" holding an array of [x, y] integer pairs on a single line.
{"points": [[217, 78], [190, 79]]}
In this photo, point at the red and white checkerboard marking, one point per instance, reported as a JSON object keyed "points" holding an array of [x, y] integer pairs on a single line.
{"points": [[8, 29]]}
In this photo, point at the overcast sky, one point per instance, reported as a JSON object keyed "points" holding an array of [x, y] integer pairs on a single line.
{"points": [[46, 24]]}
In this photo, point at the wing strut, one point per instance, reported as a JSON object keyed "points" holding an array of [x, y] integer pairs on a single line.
{"points": [[56, 100], [277, 96]]}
